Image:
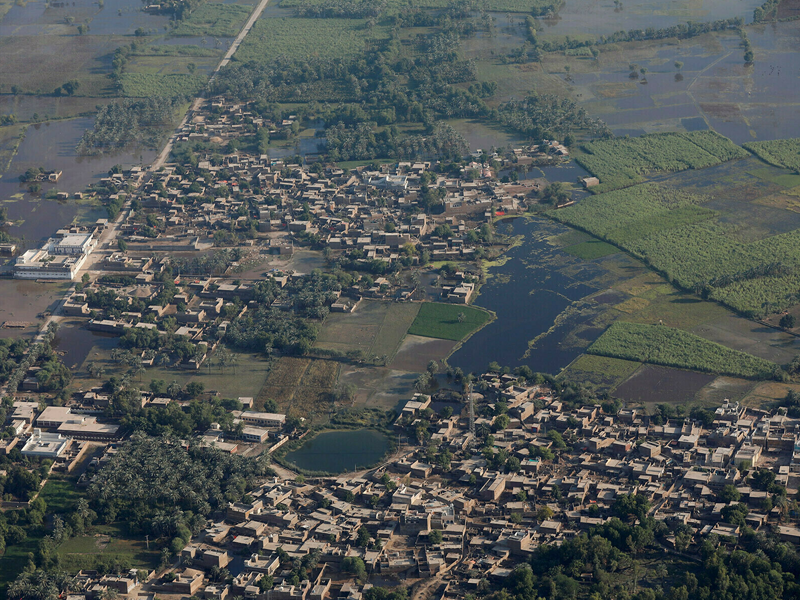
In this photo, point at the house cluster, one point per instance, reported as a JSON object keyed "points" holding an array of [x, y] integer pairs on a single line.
{"points": [[484, 507], [60, 257]]}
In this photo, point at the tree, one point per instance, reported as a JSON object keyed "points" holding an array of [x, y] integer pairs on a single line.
{"points": [[435, 537], [678, 65], [194, 389], [787, 321], [363, 537], [355, 566], [729, 493], [735, 514], [544, 513], [556, 193], [122, 245], [433, 367]]}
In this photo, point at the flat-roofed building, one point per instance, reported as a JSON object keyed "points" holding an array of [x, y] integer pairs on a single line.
{"points": [[45, 445]]}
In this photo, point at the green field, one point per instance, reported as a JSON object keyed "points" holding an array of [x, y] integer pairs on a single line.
{"points": [[214, 19], [145, 85], [780, 153], [319, 38], [107, 545], [621, 162], [591, 249], [61, 495], [519, 6], [442, 321], [670, 347], [669, 230]]}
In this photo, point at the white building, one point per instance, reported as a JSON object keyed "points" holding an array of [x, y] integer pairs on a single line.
{"points": [[45, 445], [59, 258]]}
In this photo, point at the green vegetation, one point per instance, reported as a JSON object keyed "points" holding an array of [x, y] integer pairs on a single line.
{"points": [[670, 231], [343, 8], [622, 162], [317, 38], [670, 347], [448, 321], [129, 121], [215, 19], [780, 153], [171, 85], [591, 249]]}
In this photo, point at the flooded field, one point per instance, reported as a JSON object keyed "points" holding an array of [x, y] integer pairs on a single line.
{"points": [[26, 302], [75, 343], [52, 146], [340, 451]]}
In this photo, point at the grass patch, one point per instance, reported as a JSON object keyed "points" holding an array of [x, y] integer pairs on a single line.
{"points": [[779, 153], [591, 249], [145, 85], [599, 371], [670, 347], [214, 19], [442, 321], [61, 495], [518, 6], [319, 38], [107, 546], [782, 178], [398, 319], [621, 162]]}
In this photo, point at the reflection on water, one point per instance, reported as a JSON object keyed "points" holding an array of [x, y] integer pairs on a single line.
{"points": [[527, 293]]}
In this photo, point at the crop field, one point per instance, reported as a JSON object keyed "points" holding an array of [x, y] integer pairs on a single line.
{"points": [[672, 232], [144, 85], [779, 153], [394, 327], [622, 162], [323, 38], [651, 385], [600, 371], [518, 6], [591, 249], [214, 19], [442, 321], [670, 347]]}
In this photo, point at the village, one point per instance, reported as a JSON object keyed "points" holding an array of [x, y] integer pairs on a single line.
{"points": [[502, 473]]}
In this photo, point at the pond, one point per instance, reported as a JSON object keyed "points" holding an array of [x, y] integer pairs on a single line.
{"points": [[340, 451], [74, 343]]}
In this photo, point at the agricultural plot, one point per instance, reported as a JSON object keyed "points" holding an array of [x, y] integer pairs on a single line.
{"points": [[448, 321], [672, 232], [516, 6], [301, 386], [779, 153], [320, 38], [374, 328], [599, 371], [146, 85], [669, 347], [214, 19], [622, 162], [591, 249]]}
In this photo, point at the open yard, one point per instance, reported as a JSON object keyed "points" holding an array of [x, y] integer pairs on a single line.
{"points": [[448, 321], [215, 19], [108, 546], [375, 328], [301, 387]]}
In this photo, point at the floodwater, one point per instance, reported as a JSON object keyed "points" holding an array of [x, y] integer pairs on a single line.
{"points": [[115, 17], [527, 293], [52, 146], [601, 17], [714, 89], [340, 451], [76, 342]]}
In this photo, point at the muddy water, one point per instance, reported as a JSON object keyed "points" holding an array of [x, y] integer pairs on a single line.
{"points": [[52, 146], [601, 17], [527, 293], [76, 342]]}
